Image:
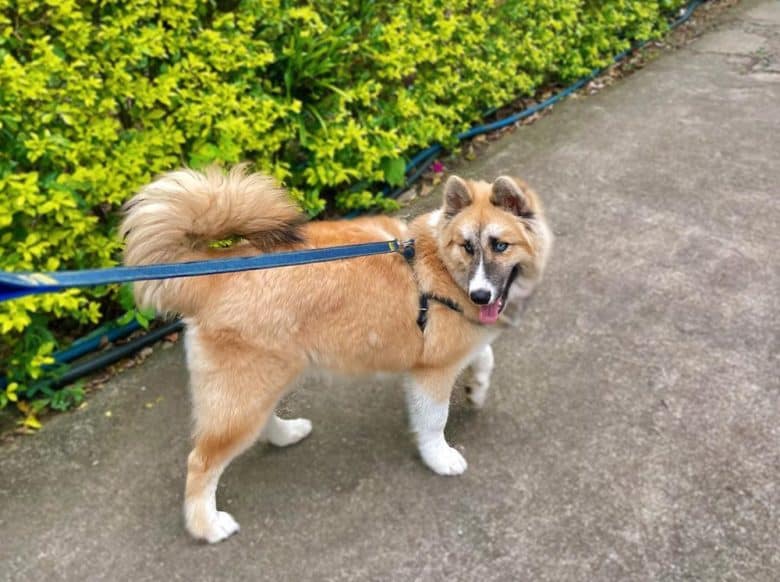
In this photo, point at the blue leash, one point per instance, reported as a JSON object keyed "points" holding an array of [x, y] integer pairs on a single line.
{"points": [[15, 285]]}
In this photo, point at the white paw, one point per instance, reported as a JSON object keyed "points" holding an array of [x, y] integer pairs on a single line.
{"points": [[289, 432], [223, 527], [443, 459], [477, 394]]}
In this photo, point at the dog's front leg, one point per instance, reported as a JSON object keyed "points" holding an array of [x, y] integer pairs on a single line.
{"points": [[428, 401], [478, 376]]}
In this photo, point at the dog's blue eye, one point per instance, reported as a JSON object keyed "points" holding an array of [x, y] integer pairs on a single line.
{"points": [[499, 246], [468, 247]]}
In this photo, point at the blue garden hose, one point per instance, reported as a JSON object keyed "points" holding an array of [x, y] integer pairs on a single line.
{"points": [[89, 343]]}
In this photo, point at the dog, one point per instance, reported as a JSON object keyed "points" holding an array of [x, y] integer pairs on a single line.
{"points": [[250, 335]]}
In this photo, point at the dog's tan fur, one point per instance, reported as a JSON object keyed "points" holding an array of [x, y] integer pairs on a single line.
{"points": [[251, 334]]}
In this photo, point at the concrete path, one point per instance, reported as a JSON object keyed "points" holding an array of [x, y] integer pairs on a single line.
{"points": [[634, 428]]}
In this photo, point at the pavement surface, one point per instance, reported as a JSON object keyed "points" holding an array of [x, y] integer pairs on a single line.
{"points": [[633, 431]]}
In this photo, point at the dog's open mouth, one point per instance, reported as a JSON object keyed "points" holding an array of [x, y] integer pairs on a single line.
{"points": [[489, 313]]}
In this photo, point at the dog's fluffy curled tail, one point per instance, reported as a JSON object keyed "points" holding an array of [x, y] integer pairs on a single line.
{"points": [[175, 218]]}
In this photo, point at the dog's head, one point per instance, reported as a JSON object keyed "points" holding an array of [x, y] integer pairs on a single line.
{"points": [[494, 241]]}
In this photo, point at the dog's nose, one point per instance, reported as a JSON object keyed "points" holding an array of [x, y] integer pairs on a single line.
{"points": [[480, 296]]}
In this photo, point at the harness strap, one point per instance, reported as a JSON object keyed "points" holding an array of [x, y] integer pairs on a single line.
{"points": [[425, 299], [407, 250]]}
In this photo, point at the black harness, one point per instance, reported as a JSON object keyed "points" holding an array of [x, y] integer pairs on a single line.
{"points": [[408, 253], [425, 299]]}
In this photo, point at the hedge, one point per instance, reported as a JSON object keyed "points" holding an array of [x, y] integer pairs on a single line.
{"points": [[330, 97]]}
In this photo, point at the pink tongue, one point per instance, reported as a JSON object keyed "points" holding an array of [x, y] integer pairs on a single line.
{"points": [[489, 313]]}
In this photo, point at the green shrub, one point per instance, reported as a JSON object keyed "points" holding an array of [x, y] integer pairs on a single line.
{"points": [[329, 97]]}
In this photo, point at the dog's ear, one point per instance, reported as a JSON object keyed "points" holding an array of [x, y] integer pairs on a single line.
{"points": [[510, 195], [456, 196]]}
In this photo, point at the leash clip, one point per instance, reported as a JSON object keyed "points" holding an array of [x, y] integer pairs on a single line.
{"points": [[406, 248]]}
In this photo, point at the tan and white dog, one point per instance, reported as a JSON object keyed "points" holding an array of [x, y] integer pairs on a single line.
{"points": [[250, 335]]}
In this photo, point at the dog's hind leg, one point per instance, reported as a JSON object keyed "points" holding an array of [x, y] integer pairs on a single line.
{"points": [[478, 376], [282, 432], [231, 406], [428, 401]]}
